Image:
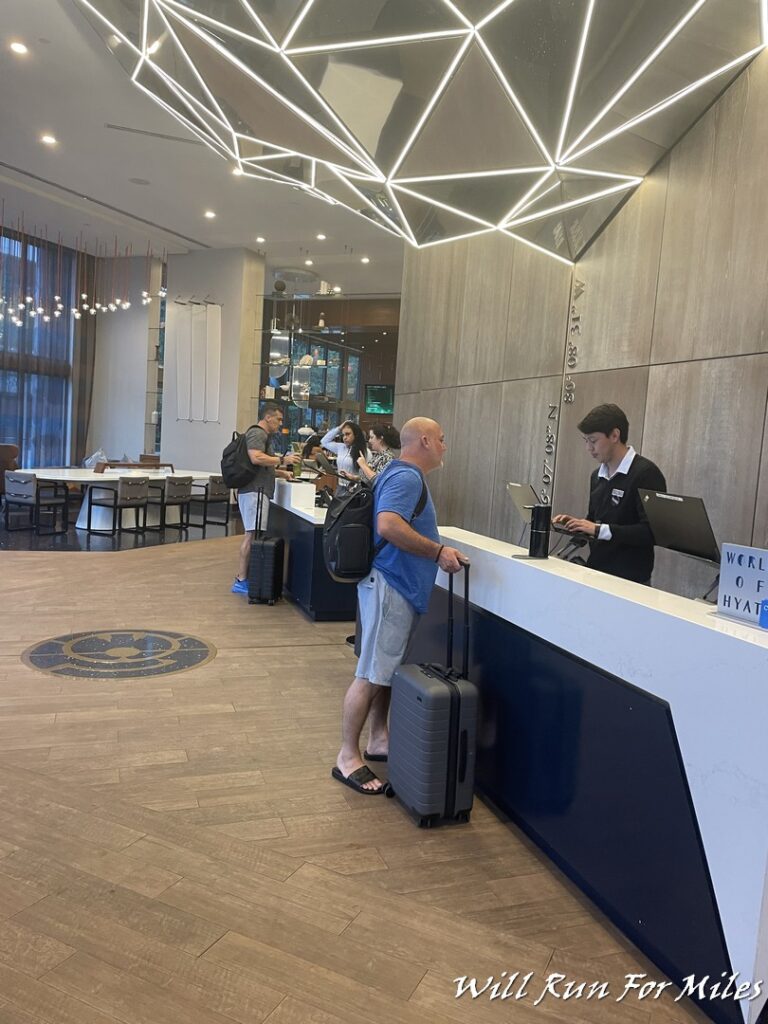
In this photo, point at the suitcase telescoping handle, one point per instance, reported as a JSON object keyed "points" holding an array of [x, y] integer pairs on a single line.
{"points": [[449, 657], [259, 511]]}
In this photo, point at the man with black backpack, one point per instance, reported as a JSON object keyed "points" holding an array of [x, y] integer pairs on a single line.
{"points": [[266, 466], [393, 594]]}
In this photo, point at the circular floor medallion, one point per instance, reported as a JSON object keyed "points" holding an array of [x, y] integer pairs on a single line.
{"points": [[119, 654]]}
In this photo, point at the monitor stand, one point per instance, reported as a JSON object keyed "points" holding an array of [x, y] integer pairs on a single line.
{"points": [[715, 584]]}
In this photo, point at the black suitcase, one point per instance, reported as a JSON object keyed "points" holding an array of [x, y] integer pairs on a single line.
{"points": [[433, 733], [265, 567]]}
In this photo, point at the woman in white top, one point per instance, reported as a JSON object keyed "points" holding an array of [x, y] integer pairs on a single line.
{"points": [[347, 450]]}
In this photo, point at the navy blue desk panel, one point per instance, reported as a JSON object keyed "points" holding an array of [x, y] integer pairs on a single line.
{"points": [[589, 767], [306, 578]]}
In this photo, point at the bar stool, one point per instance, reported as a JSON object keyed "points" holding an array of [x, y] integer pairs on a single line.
{"points": [[214, 492], [38, 497], [174, 491], [126, 493]]}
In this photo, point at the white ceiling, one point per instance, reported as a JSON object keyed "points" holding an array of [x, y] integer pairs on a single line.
{"points": [[72, 87]]}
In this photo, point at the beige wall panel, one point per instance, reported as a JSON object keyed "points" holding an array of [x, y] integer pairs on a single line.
{"points": [[406, 405], [538, 311], [760, 533], [626, 388], [525, 407], [620, 273], [441, 297], [485, 313], [700, 427], [712, 299], [470, 462], [411, 329]]}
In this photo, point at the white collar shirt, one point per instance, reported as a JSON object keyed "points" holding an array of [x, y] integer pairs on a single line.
{"points": [[623, 466]]}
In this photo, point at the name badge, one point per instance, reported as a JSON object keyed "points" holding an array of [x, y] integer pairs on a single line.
{"points": [[616, 496]]}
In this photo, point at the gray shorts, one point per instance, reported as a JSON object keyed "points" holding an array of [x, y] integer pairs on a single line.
{"points": [[387, 621], [248, 503]]}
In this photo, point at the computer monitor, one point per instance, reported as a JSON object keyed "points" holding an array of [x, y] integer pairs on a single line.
{"points": [[523, 498], [325, 465], [681, 523], [380, 399]]}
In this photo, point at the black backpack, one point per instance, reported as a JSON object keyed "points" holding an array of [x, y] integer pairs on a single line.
{"points": [[348, 547], [236, 468]]}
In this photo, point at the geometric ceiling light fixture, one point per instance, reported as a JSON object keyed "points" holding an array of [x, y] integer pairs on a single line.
{"points": [[439, 119]]}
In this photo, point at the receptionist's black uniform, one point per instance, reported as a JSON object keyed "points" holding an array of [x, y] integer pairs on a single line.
{"points": [[616, 503]]}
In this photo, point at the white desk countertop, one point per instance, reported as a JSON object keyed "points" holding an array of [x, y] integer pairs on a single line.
{"points": [[89, 476], [299, 498]]}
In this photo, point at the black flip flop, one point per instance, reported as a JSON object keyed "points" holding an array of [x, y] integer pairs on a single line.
{"points": [[357, 779], [375, 757]]}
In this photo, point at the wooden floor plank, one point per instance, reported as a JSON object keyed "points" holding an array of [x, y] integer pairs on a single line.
{"points": [[125, 996]]}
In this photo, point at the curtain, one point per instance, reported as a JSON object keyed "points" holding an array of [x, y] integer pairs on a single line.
{"points": [[83, 358], [36, 357]]}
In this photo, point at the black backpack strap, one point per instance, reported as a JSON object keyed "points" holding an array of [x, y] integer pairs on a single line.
{"points": [[421, 504]]}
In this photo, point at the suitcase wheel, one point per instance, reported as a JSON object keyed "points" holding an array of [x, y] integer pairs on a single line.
{"points": [[270, 603], [388, 791], [425, 821], [463, 817]]}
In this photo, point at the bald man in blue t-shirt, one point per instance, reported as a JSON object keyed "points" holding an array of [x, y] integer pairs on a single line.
{"points": [[393, 594]]}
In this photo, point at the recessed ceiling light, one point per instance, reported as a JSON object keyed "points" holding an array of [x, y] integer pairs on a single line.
{"points": [[19, 48], [210, 214], [365, 260], [337, 288], [237, 171], [308, 263], [259, 239], [321, 238], [49, 140]]}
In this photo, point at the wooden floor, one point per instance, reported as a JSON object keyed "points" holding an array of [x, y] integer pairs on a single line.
{"points": [[174, 851]]}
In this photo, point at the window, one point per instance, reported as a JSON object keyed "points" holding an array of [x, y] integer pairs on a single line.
{"points": [[317, 373], [333, 374], [352, 389], [299, 348], [293, 419], [37, 356]]}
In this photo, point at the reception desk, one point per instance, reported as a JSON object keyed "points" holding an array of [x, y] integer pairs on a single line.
{"points": [[624, 730], [293, 516]]}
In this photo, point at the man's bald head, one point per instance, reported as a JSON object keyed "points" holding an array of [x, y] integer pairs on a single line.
{"points": [[414, 431], [422, 442]]}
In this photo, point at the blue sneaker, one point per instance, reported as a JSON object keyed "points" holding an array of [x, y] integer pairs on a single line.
{"points": [[240, 586]]}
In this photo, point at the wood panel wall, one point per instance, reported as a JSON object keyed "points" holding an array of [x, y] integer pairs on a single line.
{"points": [[673, 307]]}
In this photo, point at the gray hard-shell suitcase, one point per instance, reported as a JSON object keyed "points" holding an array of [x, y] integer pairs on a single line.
{"points": [[432, 733]]}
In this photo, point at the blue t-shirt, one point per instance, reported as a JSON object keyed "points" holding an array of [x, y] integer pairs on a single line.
{"points": [[398, 489]]}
